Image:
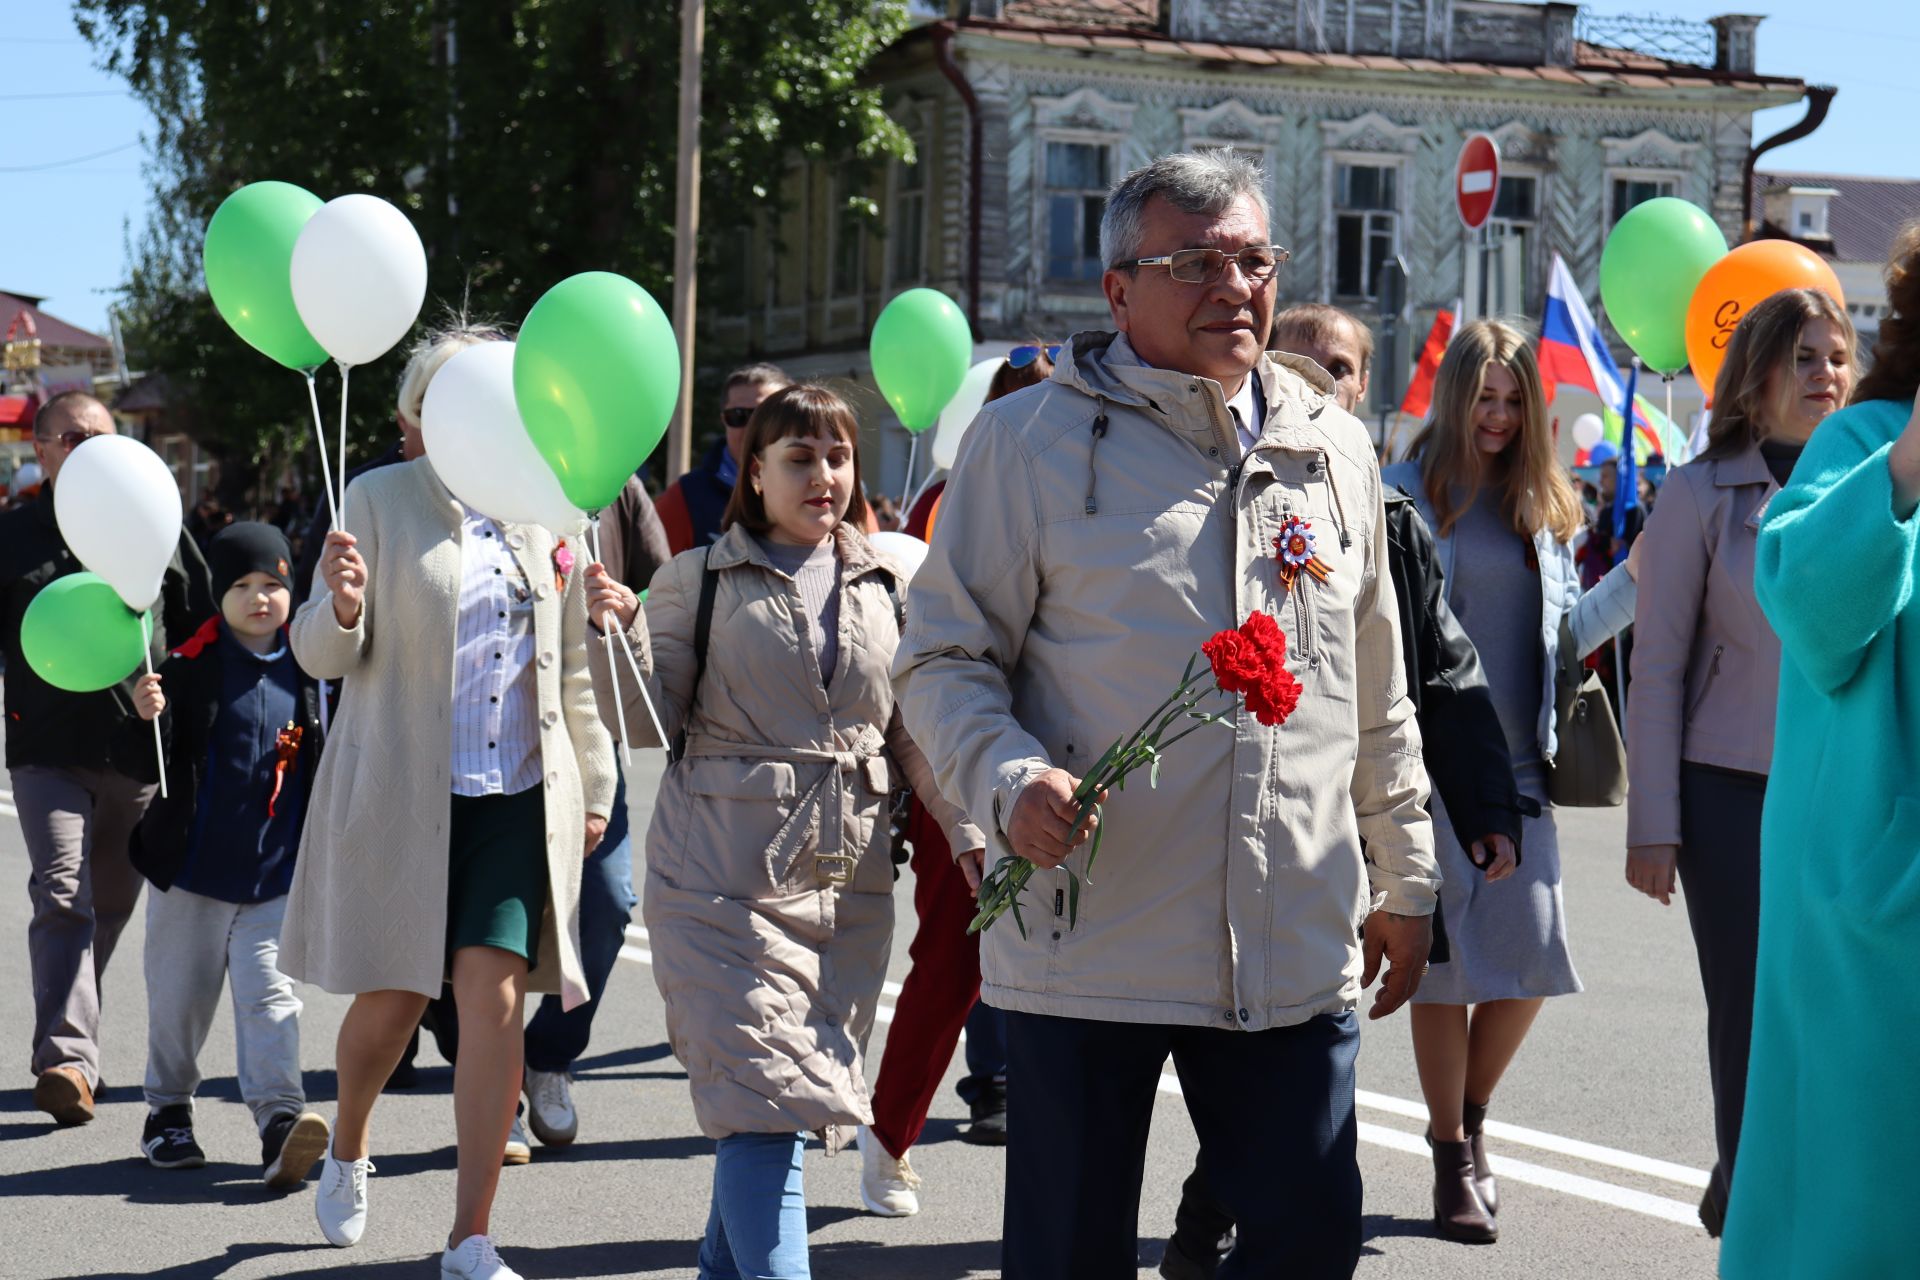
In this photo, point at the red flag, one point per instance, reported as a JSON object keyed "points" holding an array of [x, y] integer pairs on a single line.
{"points": [[1420, 390]]}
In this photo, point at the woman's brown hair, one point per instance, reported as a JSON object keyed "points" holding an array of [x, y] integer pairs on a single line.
{"points": [[803, 409], [1896, 354], [1536, 492], [1766, 341], [1007, 379]]}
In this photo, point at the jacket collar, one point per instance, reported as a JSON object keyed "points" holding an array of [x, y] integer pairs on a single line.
{"points": [[1106, 367], [1745, 467], [857, 556]]}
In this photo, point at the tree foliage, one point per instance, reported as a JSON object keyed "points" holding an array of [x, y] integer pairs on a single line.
{"points": [[526, 139]]}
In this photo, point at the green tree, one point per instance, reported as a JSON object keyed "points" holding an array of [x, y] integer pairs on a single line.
{"points": [[526, 139]]}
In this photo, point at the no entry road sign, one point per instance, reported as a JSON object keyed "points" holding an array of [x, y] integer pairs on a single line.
{"points": [[1476, 180]]}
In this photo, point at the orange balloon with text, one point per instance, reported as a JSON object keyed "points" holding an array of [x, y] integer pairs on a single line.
{"points": [[1738, 282]]}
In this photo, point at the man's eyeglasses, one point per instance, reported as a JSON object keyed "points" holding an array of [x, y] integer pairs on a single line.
{"points": [[736, 418], [71, 440], [1257, 262], [1021, 357]]}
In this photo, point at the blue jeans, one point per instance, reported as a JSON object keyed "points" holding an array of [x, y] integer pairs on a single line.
{"points": [[557, 1037], [986, 1051], [757, 1228]]}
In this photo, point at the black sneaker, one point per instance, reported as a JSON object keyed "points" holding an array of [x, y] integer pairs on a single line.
{"points": [[989, 1110], [291, 1146], [1185, 1262], [167, 1142]]}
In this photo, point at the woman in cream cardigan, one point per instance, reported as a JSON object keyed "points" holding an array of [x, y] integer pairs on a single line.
{"points": [[466, 775]]}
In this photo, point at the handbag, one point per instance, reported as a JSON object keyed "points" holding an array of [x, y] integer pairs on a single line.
{"points": [[1589, 770]]}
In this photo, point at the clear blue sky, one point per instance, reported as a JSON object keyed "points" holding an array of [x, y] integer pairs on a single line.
{"points": [[63, 230]]}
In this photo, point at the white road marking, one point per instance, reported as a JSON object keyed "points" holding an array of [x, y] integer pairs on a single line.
{"points": [[9, 810], [1572, 1184]]}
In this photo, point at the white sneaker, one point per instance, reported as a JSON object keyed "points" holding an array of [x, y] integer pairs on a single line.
{"points": [[550, 1108], [519, 1150], [887, 1186], [475, 1258], [341, 1203]]}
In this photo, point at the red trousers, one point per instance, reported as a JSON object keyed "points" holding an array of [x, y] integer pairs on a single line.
{"points": [[940, 990]]}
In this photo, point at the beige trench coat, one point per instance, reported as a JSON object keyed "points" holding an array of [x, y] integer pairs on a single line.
{"points": [[369, 905], [769, 886]]}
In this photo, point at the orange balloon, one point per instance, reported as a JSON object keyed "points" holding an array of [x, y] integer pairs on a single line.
{"points": [[1733, 286], [933, 516]]}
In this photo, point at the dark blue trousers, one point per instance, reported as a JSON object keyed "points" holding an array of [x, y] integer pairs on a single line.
{"points": [[557, 1037], [1274, 1111]]}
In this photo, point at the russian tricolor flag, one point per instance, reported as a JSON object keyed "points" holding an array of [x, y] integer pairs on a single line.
{"points": [[1571, 353]]}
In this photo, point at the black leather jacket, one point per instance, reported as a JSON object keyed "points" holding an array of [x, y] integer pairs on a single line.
{"points": [[1465, 748]]}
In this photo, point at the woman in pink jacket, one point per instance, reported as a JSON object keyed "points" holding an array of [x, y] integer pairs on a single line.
{"points": [[1706, 670]]}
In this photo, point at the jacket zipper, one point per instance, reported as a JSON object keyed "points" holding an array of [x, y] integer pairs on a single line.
{"points": [[1713, 673]]}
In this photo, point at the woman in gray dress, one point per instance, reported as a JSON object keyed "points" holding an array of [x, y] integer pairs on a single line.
{"points": [[1503, 515]]}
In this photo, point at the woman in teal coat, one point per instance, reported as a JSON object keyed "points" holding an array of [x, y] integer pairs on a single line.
{"points": [[1825, 1175]]}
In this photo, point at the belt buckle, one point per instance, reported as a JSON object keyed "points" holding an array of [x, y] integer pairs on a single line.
{"points": [[843, 876]]}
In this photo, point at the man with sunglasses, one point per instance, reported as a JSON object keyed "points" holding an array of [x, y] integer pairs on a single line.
{"points": [[691, 506], [1099, 527], [83, 770]]}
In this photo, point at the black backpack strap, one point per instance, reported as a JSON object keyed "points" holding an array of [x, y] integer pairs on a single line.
{"points": [[899, 603], [702, 631]]}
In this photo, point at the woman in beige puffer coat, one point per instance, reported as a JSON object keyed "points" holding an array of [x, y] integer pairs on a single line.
{"points": [[769, 885]]}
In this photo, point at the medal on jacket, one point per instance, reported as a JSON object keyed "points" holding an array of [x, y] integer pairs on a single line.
{"points": [[286, 750], [1294, 549]]}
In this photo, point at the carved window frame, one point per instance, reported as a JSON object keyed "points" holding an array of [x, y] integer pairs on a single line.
{"points": [[916, 119], [1084, 117], [1375, 141]]}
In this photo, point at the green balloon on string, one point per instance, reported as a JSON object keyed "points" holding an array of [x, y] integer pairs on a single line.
{"points": [[922, 348], [248, 257], [596, 376], [78, 635], [1653, 260]]}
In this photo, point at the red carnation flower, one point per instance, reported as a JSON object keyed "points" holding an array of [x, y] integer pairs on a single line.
{"points": [[1252, 660]]}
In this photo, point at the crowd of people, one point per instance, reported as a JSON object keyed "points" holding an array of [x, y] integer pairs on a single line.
{"points": [[392, 775]]}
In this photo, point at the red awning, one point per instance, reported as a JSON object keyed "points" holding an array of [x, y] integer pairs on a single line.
{"points": [[16, 411]]}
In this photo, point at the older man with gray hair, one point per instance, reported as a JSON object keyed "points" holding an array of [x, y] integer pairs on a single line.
{"points": [[1099, 527]]}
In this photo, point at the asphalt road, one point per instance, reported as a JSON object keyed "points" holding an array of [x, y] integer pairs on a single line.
{"points": [[1601, 1134]]}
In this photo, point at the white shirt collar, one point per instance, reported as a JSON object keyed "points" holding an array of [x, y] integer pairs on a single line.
{"points": [[1247, 406]]}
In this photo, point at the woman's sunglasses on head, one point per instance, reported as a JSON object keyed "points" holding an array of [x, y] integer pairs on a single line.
{"points": [[1021, 357]]}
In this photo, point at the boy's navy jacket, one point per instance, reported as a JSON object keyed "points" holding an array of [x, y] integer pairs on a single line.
{"points": [[191, 680]]}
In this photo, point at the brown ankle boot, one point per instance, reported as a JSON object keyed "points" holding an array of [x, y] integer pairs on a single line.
{"points": [[1475, 1115], [1457, 1210]]}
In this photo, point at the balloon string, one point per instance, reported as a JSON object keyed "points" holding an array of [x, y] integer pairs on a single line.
{"points": [[633, 664], [159, 750], [1668, 379], [606, 637], [320, 435], [913, 451], [345, 369]]}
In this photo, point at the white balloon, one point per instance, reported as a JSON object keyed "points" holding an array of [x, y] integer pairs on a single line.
{"points": [[903, 549], [478, 447], [118, 507], [961, 411], [1587, 430], [359, 277]]}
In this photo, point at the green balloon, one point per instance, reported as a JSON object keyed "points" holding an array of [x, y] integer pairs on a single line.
{"points": [[922, 348], [596, 375], [1654, 259], [78, 635], [249, 257]]}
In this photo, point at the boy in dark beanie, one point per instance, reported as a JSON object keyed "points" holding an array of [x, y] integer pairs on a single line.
{"points": [[243, 730]]}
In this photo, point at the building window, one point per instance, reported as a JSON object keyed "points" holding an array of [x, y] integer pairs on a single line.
{"points": [[1516, 216], [1630, 190], [1077, 177], [848, 252], [1366, 216], [907, 233]]}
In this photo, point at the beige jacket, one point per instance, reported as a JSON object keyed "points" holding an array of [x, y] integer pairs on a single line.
{"points": [[1706, 663], [369, 904], [769, 886], [1097, 528]]}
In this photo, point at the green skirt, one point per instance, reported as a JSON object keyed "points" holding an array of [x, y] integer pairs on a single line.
{"points": [[497, 873]]}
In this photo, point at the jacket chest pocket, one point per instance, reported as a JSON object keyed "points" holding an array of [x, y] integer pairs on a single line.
{"points": [[735, 812]]}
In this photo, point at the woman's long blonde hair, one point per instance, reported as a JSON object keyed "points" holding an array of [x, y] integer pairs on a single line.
{"points": [[1535, 492]]}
